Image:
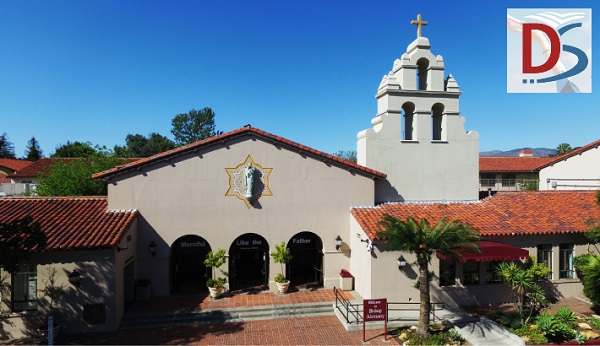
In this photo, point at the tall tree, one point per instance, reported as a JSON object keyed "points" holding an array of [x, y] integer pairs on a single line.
{"points": [[7, 149], [74, 177], [18, 238], [194, 126], [563, 148], [139, 146], [76, 149], [422, 240], [33, 151]]}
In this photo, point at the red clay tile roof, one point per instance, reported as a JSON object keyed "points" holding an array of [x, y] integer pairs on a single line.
{"points": [[593, 145], [71, 223], [527, 164], [244, 131], [41, 165], [44, 164], [512, 164], [504, 214], [4, 179], [15, 165]]}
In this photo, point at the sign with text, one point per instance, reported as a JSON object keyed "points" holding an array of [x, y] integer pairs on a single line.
{"points": [[374, 310], [549, 50]]}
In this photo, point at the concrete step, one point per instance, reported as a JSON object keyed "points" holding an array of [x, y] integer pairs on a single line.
{"points": [[228, 315]]}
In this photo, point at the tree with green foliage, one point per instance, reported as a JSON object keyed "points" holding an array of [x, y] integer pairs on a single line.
{"points": [[419, 238], [33, 151], [588, 269], [214, 260], [523, 285], [194, 126], [18, 239], [139, 146], [7, 149], [281, 255], [563, 148], [348, 155], [74, 177], [76, 149]]}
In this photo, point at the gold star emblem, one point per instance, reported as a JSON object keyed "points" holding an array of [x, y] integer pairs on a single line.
{"points": [[252, 175]]}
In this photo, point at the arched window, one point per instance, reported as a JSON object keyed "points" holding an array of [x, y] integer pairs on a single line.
{"points": [[437, 118], [422, 72], [408, 113]]}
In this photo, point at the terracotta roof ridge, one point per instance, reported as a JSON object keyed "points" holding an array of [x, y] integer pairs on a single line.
{"points": [[572, 153], [121, 210], [433, 202], [45, 198], [233, 134]]}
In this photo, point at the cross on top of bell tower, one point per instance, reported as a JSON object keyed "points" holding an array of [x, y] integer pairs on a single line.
{"points": [[419, 23]]}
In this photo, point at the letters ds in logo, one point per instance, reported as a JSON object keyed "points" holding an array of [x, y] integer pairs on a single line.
{"points": [[549, 50]]}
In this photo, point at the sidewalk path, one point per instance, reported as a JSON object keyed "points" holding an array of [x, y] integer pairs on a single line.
{"points": [[320, 330]]}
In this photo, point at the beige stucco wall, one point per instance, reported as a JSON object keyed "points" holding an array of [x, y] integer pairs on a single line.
{"points": [[570, 172], [383, 279], [102, 281], [421, 168], [97, 286], [186, 195]]}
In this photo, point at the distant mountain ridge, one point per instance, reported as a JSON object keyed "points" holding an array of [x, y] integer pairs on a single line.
{"points": [[537, 152]]}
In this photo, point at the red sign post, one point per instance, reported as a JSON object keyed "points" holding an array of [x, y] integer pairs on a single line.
{"points": [[374, 310]]}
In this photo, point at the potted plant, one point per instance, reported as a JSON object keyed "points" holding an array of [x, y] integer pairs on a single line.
{"points": [[215, 285], [282, 256]]}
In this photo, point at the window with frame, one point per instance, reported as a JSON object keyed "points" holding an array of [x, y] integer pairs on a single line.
{"points": [[509, 179], [544, 255], [492, 275], [566, 261], [471, 273], [24, 288], [447, 273]]}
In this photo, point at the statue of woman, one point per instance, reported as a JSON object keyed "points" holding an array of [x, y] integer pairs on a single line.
{"points": [[249, 179]]}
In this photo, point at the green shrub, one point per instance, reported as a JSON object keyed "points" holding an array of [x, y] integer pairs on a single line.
{"points": [[580, 261], [566, 316], [455, 336], [554, 329], [581, 338], [510, 319], [436, 339], [594, 322], [547, 324]]}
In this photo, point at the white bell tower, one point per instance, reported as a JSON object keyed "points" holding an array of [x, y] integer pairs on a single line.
{"points": [[418, 137]]}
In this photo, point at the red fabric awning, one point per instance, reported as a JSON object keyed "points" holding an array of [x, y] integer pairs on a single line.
{"points": [[490, 251]]}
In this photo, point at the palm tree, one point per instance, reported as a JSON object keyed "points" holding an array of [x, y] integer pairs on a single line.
{"points": [[419, 238], [518, 280]]}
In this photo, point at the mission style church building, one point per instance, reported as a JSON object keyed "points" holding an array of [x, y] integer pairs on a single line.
{"points": [[247, 190]]}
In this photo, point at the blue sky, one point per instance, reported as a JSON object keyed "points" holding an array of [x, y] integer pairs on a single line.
{"points": [[305, 70]]}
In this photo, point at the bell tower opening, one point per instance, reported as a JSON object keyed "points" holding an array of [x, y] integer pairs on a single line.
{"points": [[437, 120]]}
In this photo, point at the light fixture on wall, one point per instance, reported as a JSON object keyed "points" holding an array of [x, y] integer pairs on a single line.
{"points": [[401, 262], [75, 278], [152, 248], [338, 242]]}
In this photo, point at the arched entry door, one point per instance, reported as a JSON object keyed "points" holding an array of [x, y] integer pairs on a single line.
{"points": [[188, 271], [249, 263], [306, 266]]}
